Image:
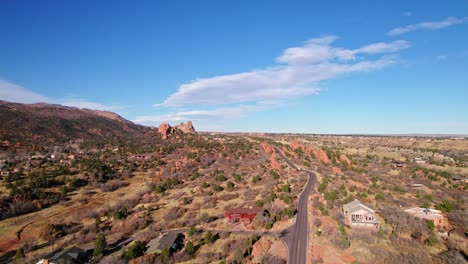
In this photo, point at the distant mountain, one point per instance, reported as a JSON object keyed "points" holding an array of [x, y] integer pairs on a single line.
{"points": [[43, 122]]}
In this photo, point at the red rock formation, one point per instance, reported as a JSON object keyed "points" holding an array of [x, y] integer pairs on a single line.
{"points": [[186, 128], [337, 171], [345, 159], [321, 155], [274, 163], [167, 130], [295, 144], [267, 147]]}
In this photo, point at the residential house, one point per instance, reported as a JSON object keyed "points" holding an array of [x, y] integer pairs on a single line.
{"points": [[171, 240], [435, 216], [359, 215], [67, 256], [246, 215]]}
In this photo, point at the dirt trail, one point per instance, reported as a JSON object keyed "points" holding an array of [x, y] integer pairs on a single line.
{"points": [[11, 241]]}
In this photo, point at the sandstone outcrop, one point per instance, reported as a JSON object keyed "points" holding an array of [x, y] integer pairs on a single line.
{"points": [[295, 144], [167, 130], [321, 155], [274, 162], [344, 158]]}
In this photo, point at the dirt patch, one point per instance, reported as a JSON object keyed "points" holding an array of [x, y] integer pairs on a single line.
{"points": [[260, 249], [279, 250]]}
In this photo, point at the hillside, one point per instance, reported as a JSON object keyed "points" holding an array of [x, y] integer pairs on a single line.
{"points": [[56, 123]]}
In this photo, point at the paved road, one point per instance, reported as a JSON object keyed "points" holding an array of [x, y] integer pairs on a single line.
{"points": [[297, 236]]}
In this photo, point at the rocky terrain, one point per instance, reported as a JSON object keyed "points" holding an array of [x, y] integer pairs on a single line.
{"points": [[99, 175]]}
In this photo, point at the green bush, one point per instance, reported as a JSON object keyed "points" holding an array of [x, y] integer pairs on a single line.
{"points": [[220, 177], [135, 250], [274, 174], [446, 206], [100, 245], [379, 196], [190, 248]]}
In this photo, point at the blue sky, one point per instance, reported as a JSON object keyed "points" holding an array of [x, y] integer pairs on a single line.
{"points": [[266, 66]]}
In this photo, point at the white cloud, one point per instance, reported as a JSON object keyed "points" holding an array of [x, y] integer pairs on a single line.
{"points": [[198, 115], [16, 93], [297, 74], [449, 21]]}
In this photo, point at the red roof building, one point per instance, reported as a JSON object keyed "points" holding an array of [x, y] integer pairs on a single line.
{"points": [[241, 214]]}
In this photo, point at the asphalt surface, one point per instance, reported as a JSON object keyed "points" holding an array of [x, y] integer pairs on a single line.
{"points": [[297, 236]]}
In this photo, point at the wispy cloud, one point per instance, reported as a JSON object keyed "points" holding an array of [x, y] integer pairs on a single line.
{"points": [[449, 21], [15, 93], [217, 113], [296, 74], [407, 13]]}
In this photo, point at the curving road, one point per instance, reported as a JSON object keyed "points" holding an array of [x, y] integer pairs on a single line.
{"points": [[297, 236]]}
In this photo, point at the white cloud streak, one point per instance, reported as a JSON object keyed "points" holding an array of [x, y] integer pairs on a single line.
{"points": [[15, 93], [447, 22], [200, 115], [297, 73]]}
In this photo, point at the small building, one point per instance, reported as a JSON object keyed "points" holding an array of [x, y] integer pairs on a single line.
{"points": [[246, 215], [398, 164], [359, 215], [420, 160], [435, 216], [144, 156], [171, 240], [66, 256], [417, 185], [459, 178]]}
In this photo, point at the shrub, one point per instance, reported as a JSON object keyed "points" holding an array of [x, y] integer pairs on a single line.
{"points": [[217, 188], [192, 231], [209, 238], [230, 185], [256, 178], [120, 214], [237, 177], [190, 248], [259, 203], [136, 249], [446, 206], [274, 174], [220, 177], [430, 225], [100, 245], [379, 196]]}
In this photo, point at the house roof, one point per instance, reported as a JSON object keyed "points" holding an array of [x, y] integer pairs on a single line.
{"points": [[425, 213], [355, 206], [68, 253], [243, 210], [165, 240]]}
